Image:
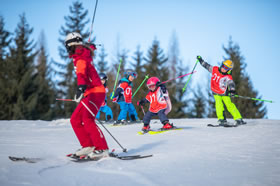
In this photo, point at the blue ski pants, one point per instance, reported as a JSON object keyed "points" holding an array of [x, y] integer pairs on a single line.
{"points": [[127, 108], [107, 110]]}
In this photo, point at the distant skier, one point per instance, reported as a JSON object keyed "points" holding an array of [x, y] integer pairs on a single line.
{"points": [[222, 85], [123, 96], [91, 91], [104, 107], [160, 104]]}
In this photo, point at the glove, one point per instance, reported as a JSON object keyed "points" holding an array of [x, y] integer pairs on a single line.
{"points": [[162, 87], [199, 58], [232, 92], [141, 102], [114, 100], [79, 93]]}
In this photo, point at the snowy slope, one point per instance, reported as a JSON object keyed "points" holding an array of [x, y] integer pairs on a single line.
{"points": [[198, 155]]}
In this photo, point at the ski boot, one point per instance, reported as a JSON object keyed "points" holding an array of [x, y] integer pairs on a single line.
{"points": [[222, 122], [146, 128], [98, 154], [240, 122], [167, 126], [81, 152], [120, 122]]}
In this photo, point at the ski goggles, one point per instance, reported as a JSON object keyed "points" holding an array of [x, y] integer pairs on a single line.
{"points": [[226, 68], [133, 74]]}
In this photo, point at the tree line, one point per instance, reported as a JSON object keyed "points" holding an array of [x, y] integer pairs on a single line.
{"points": [[30, 81]]}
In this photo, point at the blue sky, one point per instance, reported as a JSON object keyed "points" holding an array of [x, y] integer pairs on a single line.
{"points": [[202, 28]]}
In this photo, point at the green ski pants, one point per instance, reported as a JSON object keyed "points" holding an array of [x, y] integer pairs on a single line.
{"points": [[230, 107]]}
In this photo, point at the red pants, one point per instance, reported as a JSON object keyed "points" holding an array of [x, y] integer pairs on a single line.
{"points": [[83, 123]]}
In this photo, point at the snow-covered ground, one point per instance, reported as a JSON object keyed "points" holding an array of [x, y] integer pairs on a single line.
{"points": [[197, 155]]}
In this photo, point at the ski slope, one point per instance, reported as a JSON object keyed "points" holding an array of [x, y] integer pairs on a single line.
{"points": [[247, 155]]}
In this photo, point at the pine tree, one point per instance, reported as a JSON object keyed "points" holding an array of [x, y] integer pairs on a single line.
{"points": [[101, 62], [176, 68], [46, 93], [244, 86], [75, 22], [211, 110], [4, 69], [156, 62], [198, 110], [21, 86], [139, 69]]}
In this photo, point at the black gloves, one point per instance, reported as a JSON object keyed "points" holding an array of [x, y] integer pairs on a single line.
{"points": [[79, 93], [162, 86], [232, 92], [141, 102], [199, 58]]}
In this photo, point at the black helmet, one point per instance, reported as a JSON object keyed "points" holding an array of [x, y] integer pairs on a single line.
{"points": [[103, 76]]}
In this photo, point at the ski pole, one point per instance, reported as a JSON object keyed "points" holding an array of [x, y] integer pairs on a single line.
{"points": [[124, 149], [255, 99], [184, 89], [92, 20], [116, 79], [177, 77], [146, 77], [143, 110]]}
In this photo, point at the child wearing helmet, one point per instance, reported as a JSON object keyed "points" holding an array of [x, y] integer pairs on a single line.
{"points": [[123, 96], [160, 104], [90, 92], [104, 107], [222, 85]]}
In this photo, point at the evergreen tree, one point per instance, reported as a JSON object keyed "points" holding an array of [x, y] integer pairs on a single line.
{"points": [[156, 62], [75, 22], [102, 63], [176, 68], [138, 66], [46, 93], [21, 87], [244, 86], [199, 101], [4, 69]]}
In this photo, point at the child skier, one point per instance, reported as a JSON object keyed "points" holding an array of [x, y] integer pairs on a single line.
{"points": [[104, 107], [159, 104], [222, 85], [91, 92], [123, 96]]}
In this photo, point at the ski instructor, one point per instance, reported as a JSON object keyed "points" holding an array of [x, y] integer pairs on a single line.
{"points": [[91, 92]]}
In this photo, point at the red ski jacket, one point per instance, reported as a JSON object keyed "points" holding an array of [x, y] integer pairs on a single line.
{"points": [[86, 72]]}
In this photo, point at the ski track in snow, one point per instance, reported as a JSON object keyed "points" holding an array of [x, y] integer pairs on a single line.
{"points": [[197, 155]]}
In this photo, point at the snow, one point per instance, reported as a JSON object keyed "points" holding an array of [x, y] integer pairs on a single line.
{"points": [[247, 155]]}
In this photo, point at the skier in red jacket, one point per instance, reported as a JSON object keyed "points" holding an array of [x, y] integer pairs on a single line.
{"points": [[92, 93]]}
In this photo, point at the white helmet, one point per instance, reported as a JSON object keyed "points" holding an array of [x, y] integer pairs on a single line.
{"points": [[72, 39]]}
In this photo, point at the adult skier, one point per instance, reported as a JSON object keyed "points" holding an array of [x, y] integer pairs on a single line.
{"points": [[92, 93], [123, 96], [160, 104], [104, 107], [223, 85]]}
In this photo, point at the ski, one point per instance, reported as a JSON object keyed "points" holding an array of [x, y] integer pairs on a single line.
{"points": [[213, 125], [28, 160], [113, 155], [159, 131]]}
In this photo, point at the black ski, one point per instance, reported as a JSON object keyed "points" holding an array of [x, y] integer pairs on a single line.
{"points": [[213, 125], [28, 160], [113, 155]]}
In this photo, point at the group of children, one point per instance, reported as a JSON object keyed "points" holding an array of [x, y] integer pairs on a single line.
{"points": [[92, 89]]}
